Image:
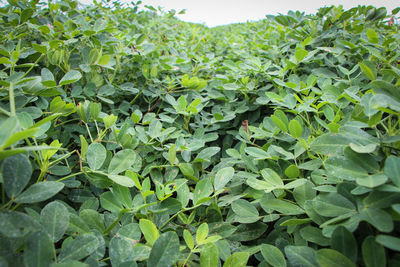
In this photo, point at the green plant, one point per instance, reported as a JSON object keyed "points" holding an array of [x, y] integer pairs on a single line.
{"points": [[130, 138]]}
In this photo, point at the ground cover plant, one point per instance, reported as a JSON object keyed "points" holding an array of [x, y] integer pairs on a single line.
{"points": [[130, 138]]}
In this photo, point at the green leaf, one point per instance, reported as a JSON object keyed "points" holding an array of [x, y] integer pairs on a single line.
{"points": [[121, 161], [244, 208], [172, 154], [343, 241], [201, 233], [372, 36], [109, 202], [279, 123], [20, 136], [295, 128], [272, 178], [48, 78], [93, 219], [40, 192], [187, 170], [314, 235], [300, 53], [121, 249], [247, 232], [104, 60], [121, 180], [209, 255], [17, 171], [388, 241], [378, 218], [373, 180], [12, 126], [373, 253], [331, 258], [301, 256], [273, 255], [188, 239], [222, 177], [70, 77], [342, 168], [292, 171], [303, 193], [96, 155], [55, 220], [39, 250], [14, 224], [79, 248], [237, 259], [330, 144], [257, 153], [281, 206], [203, 189], [149, 231], [182, 102], [332, 205], [392, 169], [206, 154], [366, 71], [165, 251]]}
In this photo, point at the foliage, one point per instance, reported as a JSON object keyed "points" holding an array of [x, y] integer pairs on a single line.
{"points": [[130, 138]]}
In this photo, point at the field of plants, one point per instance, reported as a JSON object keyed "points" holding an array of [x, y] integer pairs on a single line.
{"points": [[130, 138]]}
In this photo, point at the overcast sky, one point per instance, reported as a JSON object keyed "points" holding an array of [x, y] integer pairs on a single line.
{"points": [[219, 12]]}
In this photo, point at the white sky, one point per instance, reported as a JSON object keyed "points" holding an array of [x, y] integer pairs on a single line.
{"points": [[220, 12]]}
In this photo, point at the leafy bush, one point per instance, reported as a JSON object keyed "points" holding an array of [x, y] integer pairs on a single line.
{"points": [[130, 138]]}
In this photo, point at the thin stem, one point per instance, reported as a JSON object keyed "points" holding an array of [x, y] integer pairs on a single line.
{"points": [[87, 128], [69, 176], [33, 65], [12, 100], [63, 157], [114, 223], [5, 112], [134, 99]]}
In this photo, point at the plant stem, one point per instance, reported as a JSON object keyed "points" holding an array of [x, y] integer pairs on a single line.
{"points": [[5, 112], [90, 135], [12, 100], [69, 176]]}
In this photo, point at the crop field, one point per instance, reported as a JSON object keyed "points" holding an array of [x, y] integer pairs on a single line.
{"points": [[130, 138]]}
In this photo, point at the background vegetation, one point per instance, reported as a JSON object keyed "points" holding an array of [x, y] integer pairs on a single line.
{"points": [[130, 138]]}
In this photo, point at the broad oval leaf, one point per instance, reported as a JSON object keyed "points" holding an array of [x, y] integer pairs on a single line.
{"points": [[80, 247], [331, 258], [96, 155], [149, 231], [388, 241], [273, 255], [165, 251], [373, 253], [295, 128], [203, 189], [237, 259], [343, 241], [121, 161], [70, 77], [40, 192], [223, 177], [281, 206], [55, 219], [14, 224], [301, 256], [17, 171], [209, 255], [121, 180], [39, 250]]}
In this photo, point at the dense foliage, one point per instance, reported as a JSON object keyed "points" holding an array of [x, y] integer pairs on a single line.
{"points": [[130, 138]]}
